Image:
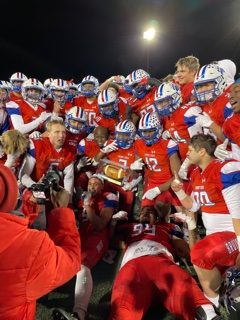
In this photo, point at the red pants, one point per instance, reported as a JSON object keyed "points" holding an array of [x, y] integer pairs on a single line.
{"points": [[219, 250], [136, 284]]}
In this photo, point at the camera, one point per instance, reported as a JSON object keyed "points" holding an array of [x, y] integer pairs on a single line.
{"points": [[51, 180]]}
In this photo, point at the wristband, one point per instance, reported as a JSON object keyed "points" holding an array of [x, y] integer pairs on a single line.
{"points": [[181, 194]]}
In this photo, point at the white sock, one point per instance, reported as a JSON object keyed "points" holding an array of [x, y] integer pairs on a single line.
{"points": [[83, 291], [209, 310], [215, 300]]}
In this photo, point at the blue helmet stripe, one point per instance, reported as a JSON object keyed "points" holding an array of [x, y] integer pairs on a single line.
{"points": [[161, 90], [124, 124], [106, 96], [203, 71], [147, 118], [134, 75]]}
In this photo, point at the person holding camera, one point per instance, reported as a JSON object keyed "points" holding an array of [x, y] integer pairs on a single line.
{"points": [[46, 151], [33, 263]]}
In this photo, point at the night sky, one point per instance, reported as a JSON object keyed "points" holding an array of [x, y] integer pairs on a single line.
{"points": [[71, 39]]}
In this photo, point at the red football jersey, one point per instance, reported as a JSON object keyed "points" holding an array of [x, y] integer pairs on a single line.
{"points": [[159, 232], [14, 97], [186, 92], [125, 157], [207, 188], [144, 105], [110, 123], [23, 109], [88, 147], [64, 109], [72, 141], [181, 125], [91, 108], [218, 110], [46, 154], [156, 157], [231, 128], [123, 93]]}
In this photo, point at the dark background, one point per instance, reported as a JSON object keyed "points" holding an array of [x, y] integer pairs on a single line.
{"points": [[74, 38]]}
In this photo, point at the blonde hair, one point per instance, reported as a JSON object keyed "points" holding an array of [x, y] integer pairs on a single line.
{"points": [[13, 141], [53, 122], [191, 62]]}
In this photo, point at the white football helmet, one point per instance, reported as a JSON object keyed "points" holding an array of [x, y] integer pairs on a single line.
{"points": [[75, 120], [59, 89], [125, 133], [108, 103], [5, 88], [19, 77], [210, 73], [33, 91], [150, 128], [73, 91], [138, 82], [89, 91], [47, 82], [167, 98]]}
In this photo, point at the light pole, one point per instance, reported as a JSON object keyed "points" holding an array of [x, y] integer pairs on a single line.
{"points": [[148, 35]]}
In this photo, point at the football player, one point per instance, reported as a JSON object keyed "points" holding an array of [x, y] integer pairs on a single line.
{"points": [[28, 114], [215, 189], [112, 110], [88, 89], [160, 158], [148, 263], [211, 91], [186, 69], [16, 81], [179, 120]]}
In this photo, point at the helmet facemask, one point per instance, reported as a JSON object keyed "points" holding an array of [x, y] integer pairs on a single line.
{"points": [[208, 94], [33, 95], [109, 110], [76, 120], [164, 107], [75, 126], [89, 86], [124, 140], [150, 128], [140, 91], [17, 86], [210, 82], [125, 133], [150, 136], [59, 96]]}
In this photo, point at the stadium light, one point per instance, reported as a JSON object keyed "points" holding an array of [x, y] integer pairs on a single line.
{"points": [[148, 35]]}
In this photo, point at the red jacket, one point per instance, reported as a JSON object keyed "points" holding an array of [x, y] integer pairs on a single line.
{"points": [[32, 262]]}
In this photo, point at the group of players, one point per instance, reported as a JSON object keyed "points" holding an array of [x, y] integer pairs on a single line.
{"points": [[178, 137]]}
